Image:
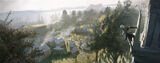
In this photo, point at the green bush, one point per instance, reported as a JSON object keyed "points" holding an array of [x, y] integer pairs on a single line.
{"points": [[13, 46]]}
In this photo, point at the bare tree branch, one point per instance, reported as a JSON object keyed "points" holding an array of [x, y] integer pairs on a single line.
{"points": [[8, 16], [9, 22]]}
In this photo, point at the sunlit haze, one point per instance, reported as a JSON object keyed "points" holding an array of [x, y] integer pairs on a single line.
{"points": [[19, 5], [52, 4]]}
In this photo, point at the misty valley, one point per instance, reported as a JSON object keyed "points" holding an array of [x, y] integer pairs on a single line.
{"points": [[88, 34]]}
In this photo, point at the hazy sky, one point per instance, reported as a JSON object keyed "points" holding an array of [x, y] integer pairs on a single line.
{"points": [[6, 5], [20, 5]]}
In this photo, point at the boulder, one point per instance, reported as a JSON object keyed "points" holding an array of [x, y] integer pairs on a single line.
{"points": [[60, 42], [58, 48], [45, 49]]}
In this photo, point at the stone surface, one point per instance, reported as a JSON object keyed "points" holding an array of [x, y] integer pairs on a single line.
{"points": [[151, 52], [153, 34]]}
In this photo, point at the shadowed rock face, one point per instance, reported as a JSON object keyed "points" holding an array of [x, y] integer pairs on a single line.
{"points": [[153, 34], [155, 4], [151, 54]]}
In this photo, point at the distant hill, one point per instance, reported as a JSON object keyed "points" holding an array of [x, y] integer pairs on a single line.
{"points": [[97, 7], [25, 18]]}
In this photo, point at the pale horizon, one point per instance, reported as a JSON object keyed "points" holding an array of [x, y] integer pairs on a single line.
{"points": [[21, 5]]}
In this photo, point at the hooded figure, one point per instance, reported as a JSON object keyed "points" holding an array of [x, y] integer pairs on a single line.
{"points": [[125, 32]]}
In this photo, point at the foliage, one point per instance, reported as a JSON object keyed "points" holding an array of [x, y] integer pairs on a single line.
{"points": [[86, 58], [107, 34], [14, 46], [107, 10], [79, 18]]}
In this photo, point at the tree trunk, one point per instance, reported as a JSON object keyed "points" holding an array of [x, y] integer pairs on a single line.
{"points": [[76, 59], [96, 57]]}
